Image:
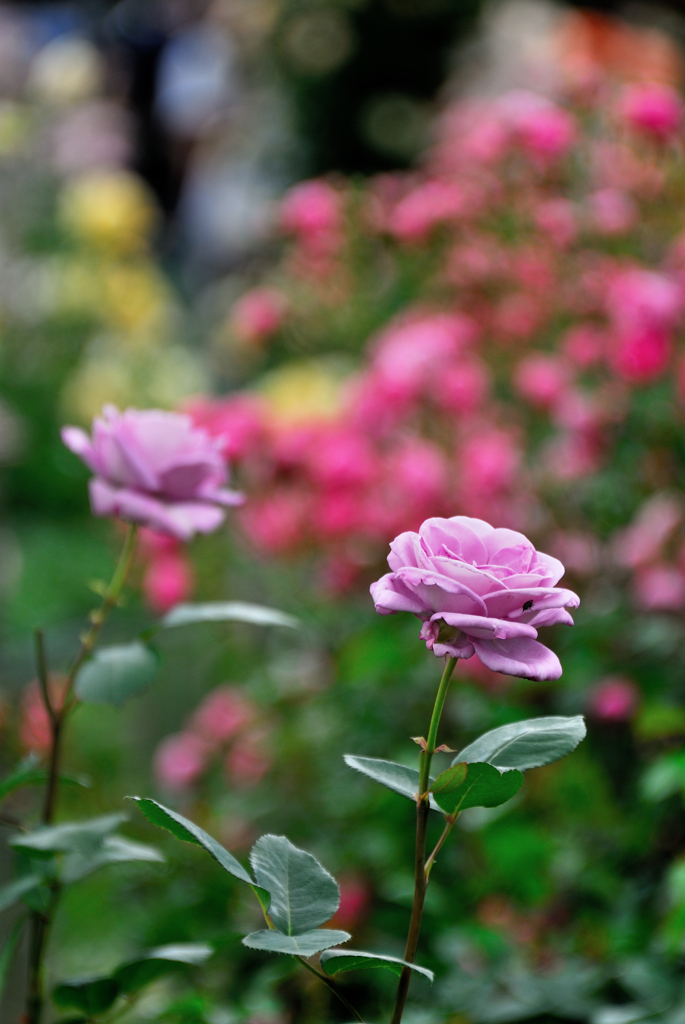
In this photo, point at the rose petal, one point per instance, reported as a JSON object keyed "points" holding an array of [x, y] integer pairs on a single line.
{"points": [[484, 628], [519, 657]]}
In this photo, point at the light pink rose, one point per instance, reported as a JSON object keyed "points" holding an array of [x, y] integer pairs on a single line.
{"points": [[478, 590], [426, 206], [541, 378], [179, 760], [154, 468], [223, 714], [258, 314]]}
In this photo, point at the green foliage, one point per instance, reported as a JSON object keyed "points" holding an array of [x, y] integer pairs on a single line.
{"points": [[93, 996], [481, 785], [397, 777], [186, 830], [528, 744], [16, 890], [335, 961], [135, 974], [303, 944], [227, 611], [80, 848], [27, 773], [96, 995], [303, 894], [114, 674]]}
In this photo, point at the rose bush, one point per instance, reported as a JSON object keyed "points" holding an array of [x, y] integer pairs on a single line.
{"points": [[479, 590]]}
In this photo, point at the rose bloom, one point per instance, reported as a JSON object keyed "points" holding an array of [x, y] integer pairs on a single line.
{"points": [[653, 108], [478, 590], [154, 468], [179, 760]]}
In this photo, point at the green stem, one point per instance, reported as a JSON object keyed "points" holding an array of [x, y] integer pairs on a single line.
{"points": [[438, 846], [332, 986], [420, 876], [41, 922]]}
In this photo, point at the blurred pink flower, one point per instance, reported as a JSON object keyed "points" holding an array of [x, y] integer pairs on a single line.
{"points": [[34, 726], [643, 541], [312, 209], [277, 521], [223, 713], [259, 313], [238, 422], [426, 206], [584, 344], [168, 580], [579, 552], [355, 902], [557, 219], [489, 462], [478, 590], [613, 211], [542, 128], [409, 355], [570, 456], [463, 387], [248, 760], [341, 456], [614, 699], [643, 299], [653, 108], [154, 468], [517, 316], [641, 355], [541, 379], [179, 760], [660, 588]]}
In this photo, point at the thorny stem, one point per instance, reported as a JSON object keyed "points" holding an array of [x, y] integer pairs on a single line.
{"points": [[41, 921], [420, 873]]}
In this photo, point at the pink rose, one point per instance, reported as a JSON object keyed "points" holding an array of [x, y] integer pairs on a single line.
{"points": [[223, 714], [258, 314], [168, 580], [653, 108], [154, 468], [615, 699], [180, 759], [426, 206], [478, 590], [541, 379]]}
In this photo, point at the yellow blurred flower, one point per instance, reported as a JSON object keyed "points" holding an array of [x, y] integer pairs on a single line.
{"points": [[304, 392], [111, 371], [14, 127], [109, 210], [67, 70], [135, 296]]}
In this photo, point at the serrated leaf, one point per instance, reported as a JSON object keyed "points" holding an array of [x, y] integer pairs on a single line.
{"points": [[92, 996], [186, 830], [114, 674], [450, 780], [482, 785], [303, 894], [306, 944], [140, 971], [334, 961], [114, 850], [396, 777], [16, 890], [227, 611], [528, 744]]}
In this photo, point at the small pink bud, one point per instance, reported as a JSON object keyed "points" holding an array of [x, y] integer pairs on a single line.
{"points": [[179, 761]]}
